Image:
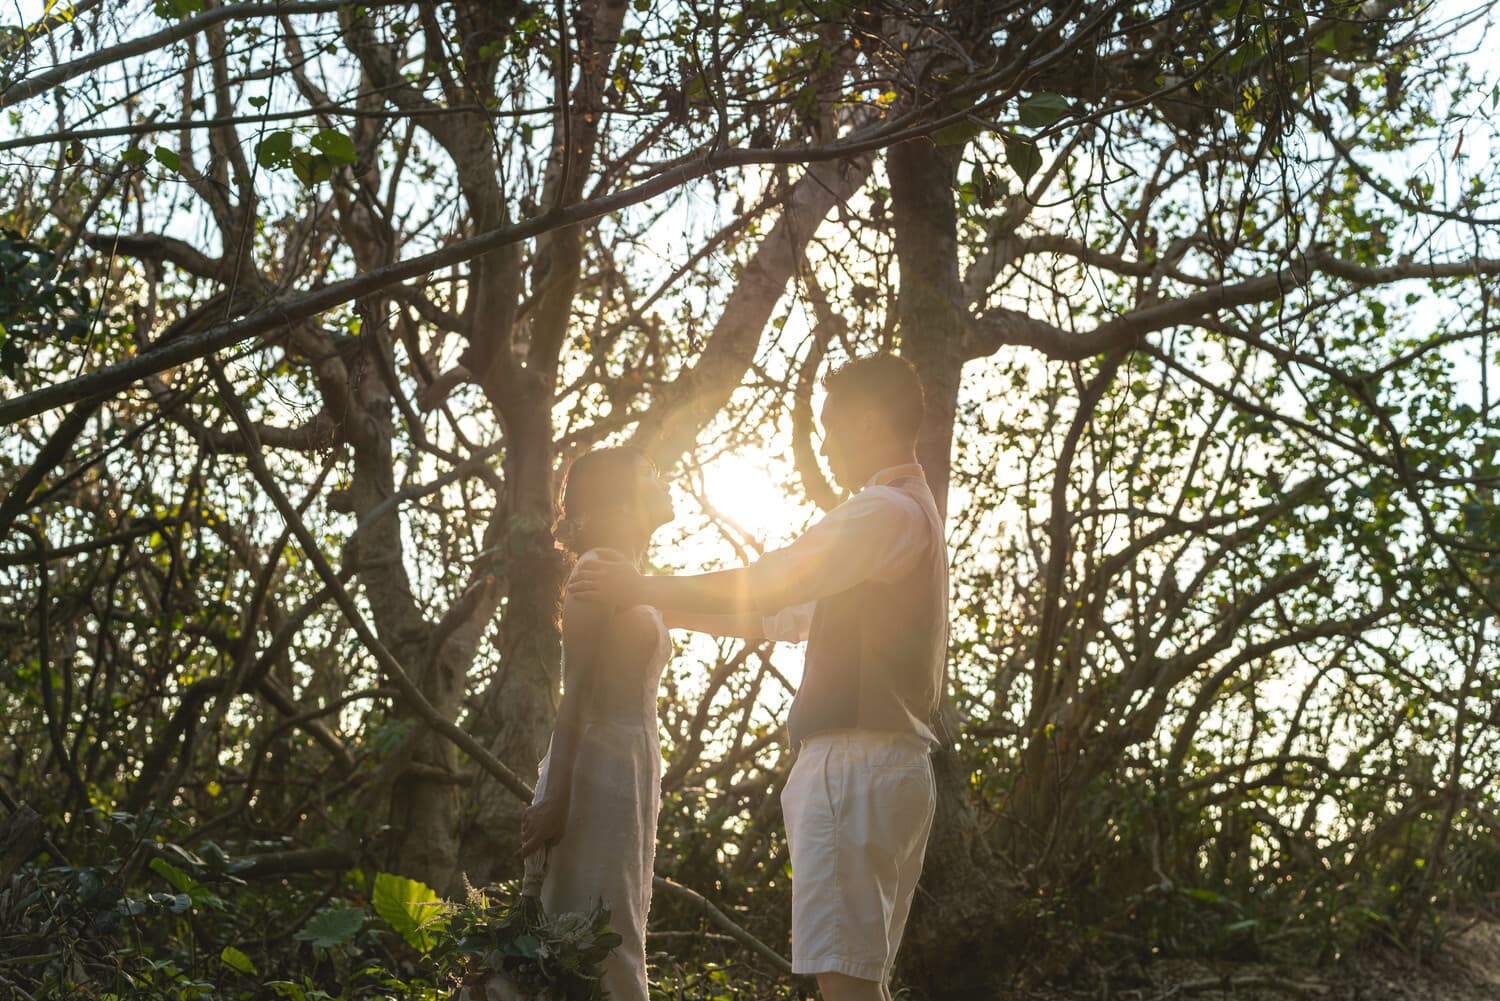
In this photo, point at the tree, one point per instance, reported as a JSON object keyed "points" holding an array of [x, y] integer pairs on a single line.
{"points": [[418, 257]]}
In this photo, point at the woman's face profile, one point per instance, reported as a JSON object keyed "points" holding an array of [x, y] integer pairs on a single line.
{"points": [[653, 497]]}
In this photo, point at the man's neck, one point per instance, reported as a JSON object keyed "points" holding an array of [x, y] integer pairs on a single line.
{"points": [[889, 462]]}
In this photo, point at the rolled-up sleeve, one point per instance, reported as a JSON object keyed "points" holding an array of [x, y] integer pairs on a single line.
{"points": [[878, 534]]}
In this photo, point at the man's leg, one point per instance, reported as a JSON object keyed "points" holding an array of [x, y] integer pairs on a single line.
{"points": [[910, 864], [840, 987], [857, 808]]}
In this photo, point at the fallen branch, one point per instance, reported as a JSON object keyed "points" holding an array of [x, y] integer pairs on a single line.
{"points": [[723, 920], [1229, 984]]}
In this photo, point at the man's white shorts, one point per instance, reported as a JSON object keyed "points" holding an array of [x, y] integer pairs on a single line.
{"points": [[858, 808]]}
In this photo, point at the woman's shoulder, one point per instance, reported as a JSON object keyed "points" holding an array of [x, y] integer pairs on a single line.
{"points": [[599, 553]]}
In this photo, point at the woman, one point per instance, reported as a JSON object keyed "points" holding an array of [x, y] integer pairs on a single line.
{"points": [[590, 832]]}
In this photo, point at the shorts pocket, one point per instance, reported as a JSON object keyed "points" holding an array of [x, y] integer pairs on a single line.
{"points": [[905, 801]]}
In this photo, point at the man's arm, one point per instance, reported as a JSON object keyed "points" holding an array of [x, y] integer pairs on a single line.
{"points": [[745, 627], [787, 625], [874, 535], [614, 582]]}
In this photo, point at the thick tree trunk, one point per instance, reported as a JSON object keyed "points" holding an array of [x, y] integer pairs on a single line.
{"points": [[423, 808], [953, 948], [932, 321], [514, 714]]}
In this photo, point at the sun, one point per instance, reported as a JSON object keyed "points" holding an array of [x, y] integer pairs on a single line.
{"points": [[745, 490]]}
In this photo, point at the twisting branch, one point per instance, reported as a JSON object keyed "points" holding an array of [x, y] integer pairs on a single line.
{"points": [[24, 90], [388, 662], [829, 323], [688, 403], [279, 313], [1059, 530], [996, 328]]}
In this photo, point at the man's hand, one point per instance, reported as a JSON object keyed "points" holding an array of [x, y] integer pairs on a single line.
{"points": [[607, 581], [543, 824]]}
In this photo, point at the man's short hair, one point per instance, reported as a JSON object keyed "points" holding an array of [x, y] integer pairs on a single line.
{"points": [[885, 381]]}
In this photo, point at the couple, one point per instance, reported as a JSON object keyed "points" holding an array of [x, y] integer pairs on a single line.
{"points": [[866, 588]]}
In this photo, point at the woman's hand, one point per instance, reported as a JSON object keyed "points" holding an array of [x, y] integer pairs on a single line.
{"points": [[543, 824]]}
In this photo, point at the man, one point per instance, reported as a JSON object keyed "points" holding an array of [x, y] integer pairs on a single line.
{"points": [[867, 589]]}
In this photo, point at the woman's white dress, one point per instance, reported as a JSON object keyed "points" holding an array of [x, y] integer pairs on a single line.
{"points": [[609, 845]]}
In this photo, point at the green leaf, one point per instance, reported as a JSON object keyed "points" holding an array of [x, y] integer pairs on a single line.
{"points": [[181, 881], [257, 102], [170, 159], [236, 960], [274, 150], [170, 9], [985, 186], [409, 907], [1024, 157], [958, 132], [311, 168], [335, 145], [1041, 110], [135, 157], [332, 927]]}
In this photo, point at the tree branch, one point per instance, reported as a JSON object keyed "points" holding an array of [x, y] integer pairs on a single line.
{"points": [[998, 328], [669, 428], [32, 86], [279, 313], [723, 920], [392, 667]]}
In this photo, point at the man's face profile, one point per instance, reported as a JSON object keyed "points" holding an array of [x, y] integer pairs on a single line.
{"points": [[846, 432]]}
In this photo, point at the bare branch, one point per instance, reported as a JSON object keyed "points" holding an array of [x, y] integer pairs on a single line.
{"points": [[40, 83]]}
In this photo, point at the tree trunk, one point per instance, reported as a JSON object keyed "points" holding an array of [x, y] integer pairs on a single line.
{"points": [[514, 714], [953, 948], [423, 809]]}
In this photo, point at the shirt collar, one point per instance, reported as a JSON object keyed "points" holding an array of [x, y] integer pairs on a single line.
{"points": [[889, 473]]}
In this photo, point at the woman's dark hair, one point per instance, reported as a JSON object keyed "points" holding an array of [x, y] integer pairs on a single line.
{"points": [[597, 483], [885, 381]]}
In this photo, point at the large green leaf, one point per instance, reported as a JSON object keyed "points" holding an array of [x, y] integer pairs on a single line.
{"points": [[236, 960], [335, 145], [332, 927], [168, 158], [181, 881], [958, 132], [274, 150], [310, 168], [410, 907]]}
